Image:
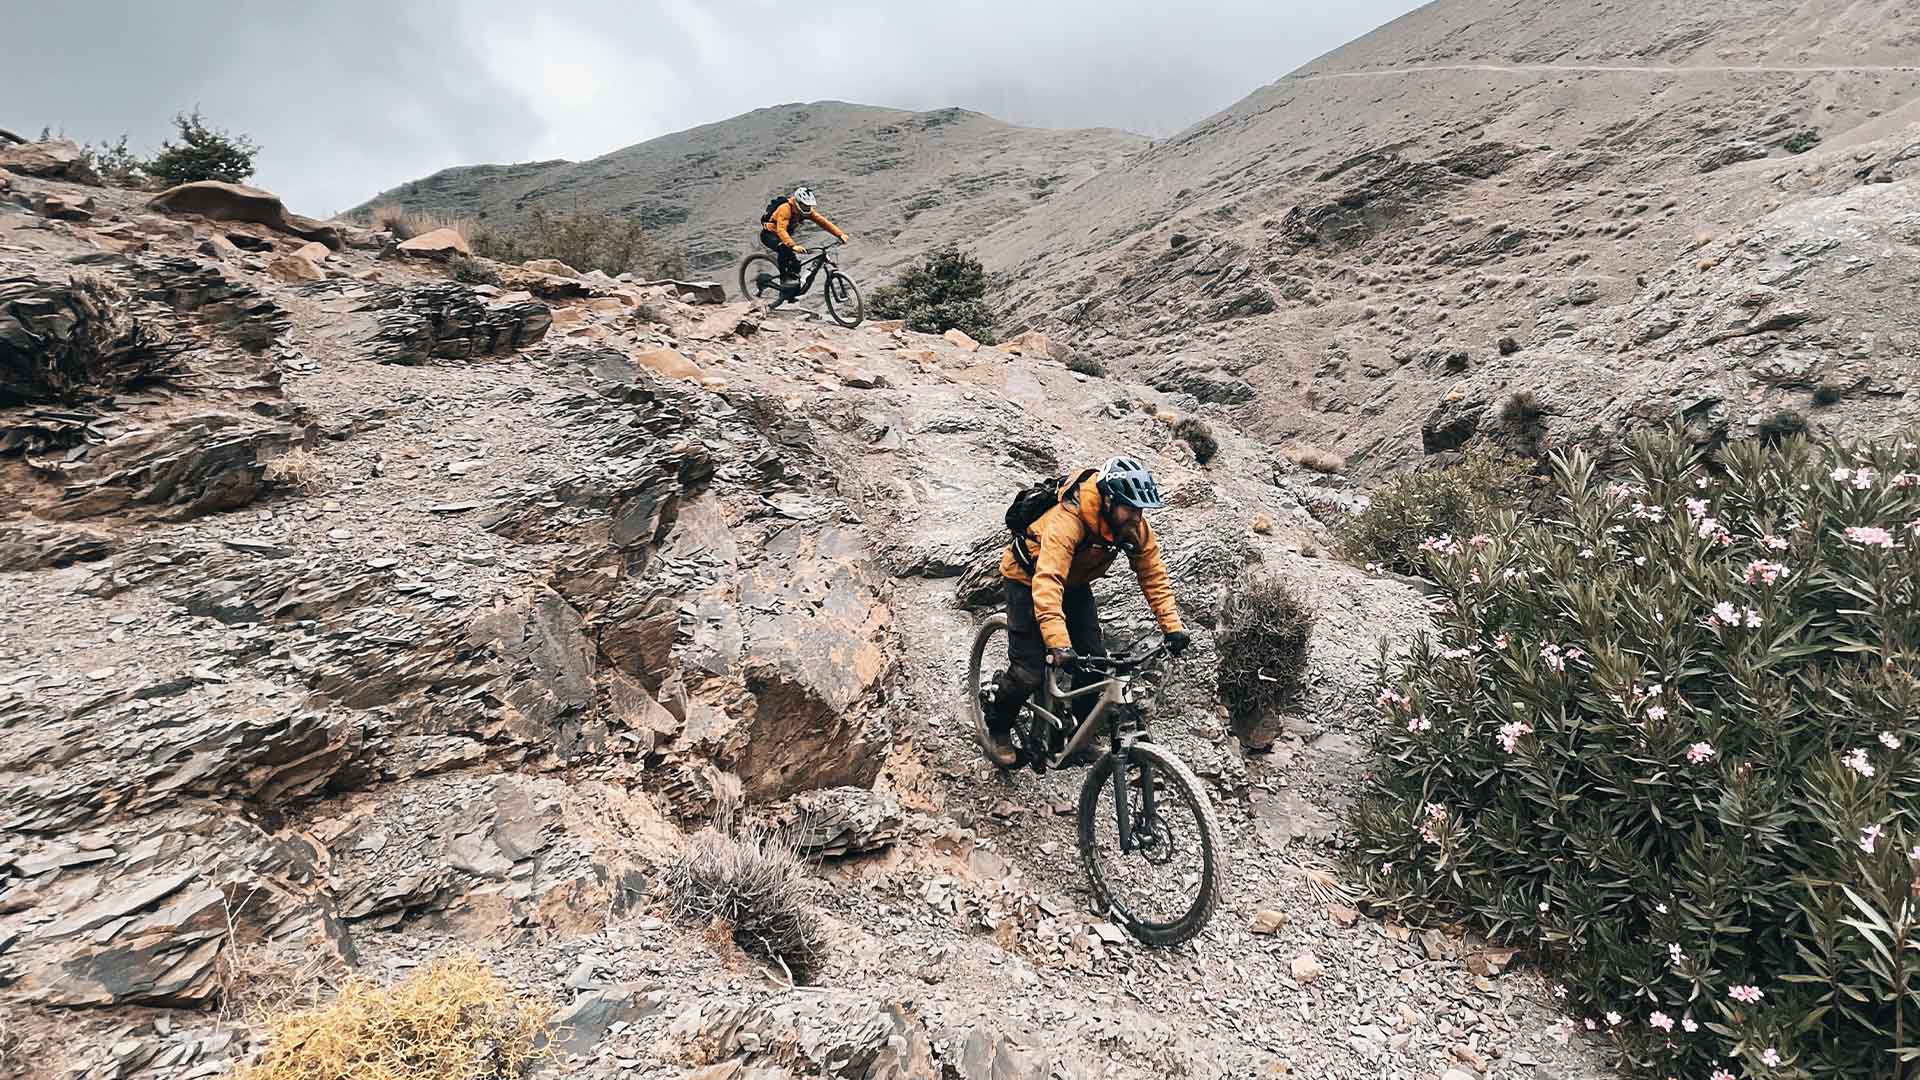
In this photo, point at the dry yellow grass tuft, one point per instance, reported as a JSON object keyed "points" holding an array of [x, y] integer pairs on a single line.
{"points": [[298, 468], [1314, 459], [451, 1020], [406, 224]]}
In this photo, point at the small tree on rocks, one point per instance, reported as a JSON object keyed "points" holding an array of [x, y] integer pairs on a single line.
{"points": [[946, 291], [204, 152]]}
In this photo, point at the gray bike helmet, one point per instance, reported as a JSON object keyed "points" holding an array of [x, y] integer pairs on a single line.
{"points": [[1125, 481], [804, 196]]}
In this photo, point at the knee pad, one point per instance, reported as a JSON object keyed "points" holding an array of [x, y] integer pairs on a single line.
{"points": [[1021, 679]]}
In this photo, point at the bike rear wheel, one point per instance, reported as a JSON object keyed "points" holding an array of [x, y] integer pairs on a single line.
{"points": [[982, 682], [759, 278], [843, 300], [1164, 885]]}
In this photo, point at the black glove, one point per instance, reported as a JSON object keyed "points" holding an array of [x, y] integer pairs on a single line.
{"points": [[1178, 641], [1064, 659]]}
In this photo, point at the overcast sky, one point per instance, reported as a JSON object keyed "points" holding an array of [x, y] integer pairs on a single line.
{"points": [[349, 97]]}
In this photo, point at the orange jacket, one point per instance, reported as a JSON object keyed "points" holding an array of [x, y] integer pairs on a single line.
{"points": [[1073, 546], [785, 216]]}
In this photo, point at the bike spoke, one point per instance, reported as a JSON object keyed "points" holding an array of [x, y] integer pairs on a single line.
{"points": [[1155, 877]]}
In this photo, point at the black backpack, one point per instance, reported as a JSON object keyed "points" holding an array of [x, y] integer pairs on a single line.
{"points": [[1027, 507], [772, 204]]}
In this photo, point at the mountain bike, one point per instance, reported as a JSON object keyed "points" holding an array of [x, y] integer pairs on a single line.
{"points": [[1148, 838], [760, 283]]}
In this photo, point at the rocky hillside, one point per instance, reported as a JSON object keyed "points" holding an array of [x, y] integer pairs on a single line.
{"points": [[899, 181], [358, 616], [1628, 209]]}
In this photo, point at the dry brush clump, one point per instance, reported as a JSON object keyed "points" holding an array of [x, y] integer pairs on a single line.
{"points": [[300, 469], [406, 224], [1314, 459], [1666, 736], [1199, 437], [453, 1019], [613, 244], [1264, 640], [754, 888]]}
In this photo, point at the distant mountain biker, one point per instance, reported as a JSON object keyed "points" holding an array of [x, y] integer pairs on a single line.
{"points": [[1052, 617], [785, 215]]}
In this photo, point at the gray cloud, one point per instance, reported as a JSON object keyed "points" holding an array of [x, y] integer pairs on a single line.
{"points": [[351, 97]]}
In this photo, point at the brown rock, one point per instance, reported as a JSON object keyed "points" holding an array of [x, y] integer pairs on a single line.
{"points": [[861, 378], [294, 268], [1268, 921], [1307, 969], [56, 159], [68, 208], [887, 326], [1342, 916], [220, 248], [218, 201], [313, 251], [670, 364], [1263, 525], [959, 337], [553, 267], [438, 244]]}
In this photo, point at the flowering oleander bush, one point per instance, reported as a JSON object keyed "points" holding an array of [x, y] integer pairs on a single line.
{"points": [[1667, 736]]}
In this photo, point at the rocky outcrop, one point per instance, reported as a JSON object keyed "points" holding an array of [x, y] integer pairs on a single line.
{"points": [[1205, 380], [75, 341], [189, 467], [55, 159], [218, 201], [448, 321], [440, 244], [812, 1033]]}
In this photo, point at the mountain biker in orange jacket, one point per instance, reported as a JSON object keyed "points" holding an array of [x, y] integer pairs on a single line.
{"points": [[1052, 617], [776, 236]]}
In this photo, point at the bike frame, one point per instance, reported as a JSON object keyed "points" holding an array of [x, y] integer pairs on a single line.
{"points": [[813, 267], [1112, 691]]}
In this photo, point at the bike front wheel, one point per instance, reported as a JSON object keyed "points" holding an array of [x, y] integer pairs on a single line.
{"points": [[843, 300], [1158, 869], [759, 278]]}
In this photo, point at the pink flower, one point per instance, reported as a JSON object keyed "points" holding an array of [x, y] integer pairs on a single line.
{"points": [[1592, 1025], [1777, 543], [1863, 478], [1889, 740], [1674, 953], [1586, 553], [1907, 480], [1661, 1020], [1722, 1074], [1701, 483], [1480, 540], [1856, 760], [1687, 1024], [1700, 753], [1391, 698], [1753, 619], [1436, 819], [1870, 536], [1762, 572], [1386, 868], [1842, 473], [1500, 641], [1726, 613], [1711, 529], [1656, 712], [1646, 512], [1870, 836], [1696, 508], [1613, 1019], [1440, 545], [1746, 995], [1510, 735], [1419, 724], [1770, 1058], [1559, 990], [1550, 654]]}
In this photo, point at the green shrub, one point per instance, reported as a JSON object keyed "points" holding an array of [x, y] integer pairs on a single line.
{"points": [[1667, 736], [1086, 364], [1458, 501], [946, 291], [203, 153], [583, 239], [1264, 639], [1199, 437], [115, 163]]}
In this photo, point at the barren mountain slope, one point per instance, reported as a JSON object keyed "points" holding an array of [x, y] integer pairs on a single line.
{"points": [[1354, 239], [899, 181], [358, 616]]}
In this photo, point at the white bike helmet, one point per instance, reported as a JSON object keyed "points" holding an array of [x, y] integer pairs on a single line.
{"points": [[804, 197]]}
